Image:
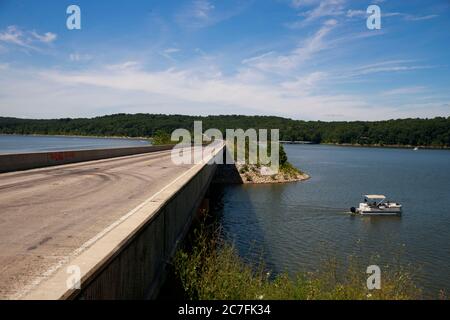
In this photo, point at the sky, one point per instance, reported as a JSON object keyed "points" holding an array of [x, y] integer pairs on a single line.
{"points": [[301, 59]]}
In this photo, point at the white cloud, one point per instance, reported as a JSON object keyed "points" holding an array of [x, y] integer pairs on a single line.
{"points": [[197, 14], [128, 65], [271, 62], [356, 13], [26, 39], [47, 37], [326, 8], [420, 18], [307, 82], [14, 35], [301, 3], [386, 66], [201, 9], [321, 9], [351, 13], [404, 91], [389, 69], [125, 88], [202, 13], [171, 50]]}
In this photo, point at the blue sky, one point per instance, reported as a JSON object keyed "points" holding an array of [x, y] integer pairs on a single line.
{"points": [[303, 59]]}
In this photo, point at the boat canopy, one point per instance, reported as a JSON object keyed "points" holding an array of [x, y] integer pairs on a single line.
{"points": [[375, 196]]}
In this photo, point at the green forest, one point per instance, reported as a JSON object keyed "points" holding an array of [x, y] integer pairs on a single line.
{"points": [[412, 132]]}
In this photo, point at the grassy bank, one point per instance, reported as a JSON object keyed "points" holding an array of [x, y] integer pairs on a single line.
{"points": [[210, 268]]}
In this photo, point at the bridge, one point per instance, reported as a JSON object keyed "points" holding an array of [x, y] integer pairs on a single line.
{"points": [[114, 222]]}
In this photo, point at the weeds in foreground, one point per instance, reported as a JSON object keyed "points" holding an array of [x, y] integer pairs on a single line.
{"points": [[211, 269]]}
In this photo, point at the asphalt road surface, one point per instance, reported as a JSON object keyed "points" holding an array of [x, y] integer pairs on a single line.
{"points": [[47, 214]]}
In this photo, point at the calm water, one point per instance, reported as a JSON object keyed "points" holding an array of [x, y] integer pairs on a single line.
{"points": [[21, 144], [298, 225]]}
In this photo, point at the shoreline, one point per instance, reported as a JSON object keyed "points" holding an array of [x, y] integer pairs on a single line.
{"points": [[76, 136], [251, 174], [388, 146], [355, 145]]}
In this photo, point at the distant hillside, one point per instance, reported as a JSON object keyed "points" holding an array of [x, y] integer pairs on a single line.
{"points": [[415, 132]]}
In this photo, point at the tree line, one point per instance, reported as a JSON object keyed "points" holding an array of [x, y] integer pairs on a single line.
{"points": [[415, 132]]}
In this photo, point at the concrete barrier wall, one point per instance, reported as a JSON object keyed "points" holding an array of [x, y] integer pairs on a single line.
{"points": [[25, 161], [137, 271]]}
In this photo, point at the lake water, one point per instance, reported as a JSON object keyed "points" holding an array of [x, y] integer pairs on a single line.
{"points": [[298, 225], [21, 144]]}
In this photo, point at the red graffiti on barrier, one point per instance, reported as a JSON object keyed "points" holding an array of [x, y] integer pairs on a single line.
{"points": [[61, 156]]}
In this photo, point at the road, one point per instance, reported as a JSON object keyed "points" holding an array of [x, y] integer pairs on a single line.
{"points": [[48, 214]]}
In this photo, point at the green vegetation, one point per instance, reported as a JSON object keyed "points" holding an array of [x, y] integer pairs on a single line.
{"points": [[289, 170], [161, 137], [246, 169], [211, 269], [286, 167], [415, 132]]}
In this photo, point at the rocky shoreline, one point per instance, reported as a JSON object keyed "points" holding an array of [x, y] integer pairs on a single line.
{"points": [[252, 174]]}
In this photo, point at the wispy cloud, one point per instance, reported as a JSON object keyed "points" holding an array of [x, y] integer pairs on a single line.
{"points": [[352, 13], [169, 53], [47, 37], [404, 91], [306, 83], [420, 18], [171, 50], [14, 35], [325, 8], [271, 62], [203, 13], [320, 9], [201, 9], [124, 66], [356, 13], [301, 3], [26, 39], [386, 67]]}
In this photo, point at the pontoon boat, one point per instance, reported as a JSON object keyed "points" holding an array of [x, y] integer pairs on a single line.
{"points": [[377, 205]]}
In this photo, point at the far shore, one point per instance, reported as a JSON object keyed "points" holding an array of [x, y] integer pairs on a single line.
{"points": [[76, 136], [358, 145], [390, 146], [355, 145]]}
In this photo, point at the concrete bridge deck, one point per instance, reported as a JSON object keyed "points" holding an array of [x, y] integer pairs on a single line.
{"points": [[50, 216]]}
